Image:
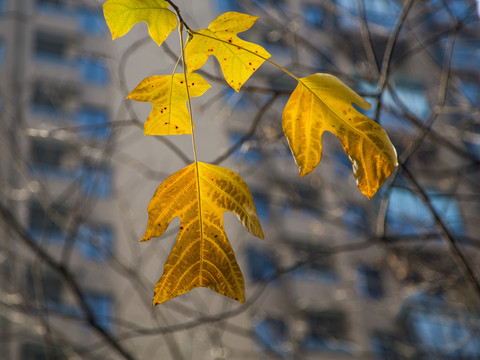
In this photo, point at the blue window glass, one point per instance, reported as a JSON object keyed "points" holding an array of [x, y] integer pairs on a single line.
{"points": [[53, 48], [384, 346], [46, 288], [95, 242], [369, 282], [272, 334], [96, 180], [94, 71], [52, 158], [407, 215], [343, 166], [327, 330], [404, 97], [102, 307], [44, 224], [262, 205], [445, 12], [92, 22], [355, 218], [313, 14], [439, 330], [383, 13], [471, 91], [249, 151], [94, 122], [319, 267], [466, 54], [3, 6], [2, 52], [235, 100], [224, 6], [260, 264]]}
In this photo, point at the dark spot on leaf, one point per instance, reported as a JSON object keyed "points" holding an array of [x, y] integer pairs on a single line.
{"points": [[181, 81], [193, 83], [176, 127], [181, 227], [215, 236], [230, 40]]}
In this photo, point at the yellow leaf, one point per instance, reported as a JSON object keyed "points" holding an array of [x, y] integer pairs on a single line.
{"points": [[168, 94], [238, 58], [321, 102], [199, 194], [121, 15]]}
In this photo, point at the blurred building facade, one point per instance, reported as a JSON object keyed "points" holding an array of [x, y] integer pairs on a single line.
{"points": [[338, 277], [56, 99]]}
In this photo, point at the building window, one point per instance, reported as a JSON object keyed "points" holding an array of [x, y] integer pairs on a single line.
{"points": [[355, 218], [93, 122], [438, 330], [224, 6], [52, 47], [35, 351], [260, 264], [53, 157], [272, 335], [92, 22], [2, 52], [249, 151], [96, 180], [471, 91], [466, 54], [46, 288], [95, 242], [262, 205], [46, 222], [403, 97], [94, 71], [102, 307], [326, 330], [407, 215], [382, 13], [318, 266], [313, 15], [53, 99], [384, 346], [369, 282]]}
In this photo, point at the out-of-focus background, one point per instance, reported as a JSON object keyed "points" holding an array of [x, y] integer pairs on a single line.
{"points": [[337, 277]]}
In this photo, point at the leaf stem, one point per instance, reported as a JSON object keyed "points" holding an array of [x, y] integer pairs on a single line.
{"points": [[180, 18], [192, 33], [182, 48]]}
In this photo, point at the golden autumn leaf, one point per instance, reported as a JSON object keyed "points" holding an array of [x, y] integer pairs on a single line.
{"points": [[199, 194], [321, 102], [168, 94], [121, 15], [238, 58]]}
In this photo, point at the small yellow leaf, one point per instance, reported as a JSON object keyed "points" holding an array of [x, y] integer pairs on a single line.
{"points": [[121, 15], [238, 58], [199, 194], [321, 102], [168, 94]]}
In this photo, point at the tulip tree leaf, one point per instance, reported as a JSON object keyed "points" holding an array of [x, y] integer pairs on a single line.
{"points": [[321, 102]]}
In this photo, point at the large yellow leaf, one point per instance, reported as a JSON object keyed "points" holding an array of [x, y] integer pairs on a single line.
{"points": [[121, 15], [238, 58], [168, 94], [321, 102], [199, 194]]}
